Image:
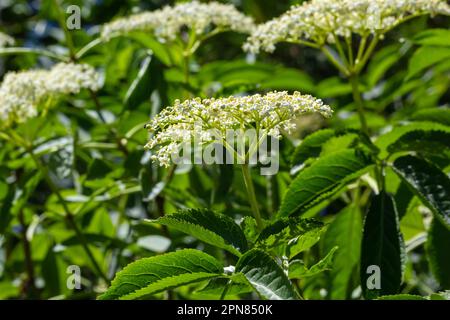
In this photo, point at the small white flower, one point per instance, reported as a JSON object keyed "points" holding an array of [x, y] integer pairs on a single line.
{"points": [[212, 120], [21, 93], [319, 21], [167, 23]]}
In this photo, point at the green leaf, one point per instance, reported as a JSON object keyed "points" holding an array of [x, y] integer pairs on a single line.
{"points": [[433, 37], [54, 273], [381, 62], [438, 252], [17, 198], [385, 140], [266, 276], [439, 115], [382, 247], [6, 214], [311, 146], [425, 57], [423, 141], [148, 276], [401, 297], [291, 235], [344, 232], [428, 182], [250, 229], [237, 284], [332, 87], [288, 79], [161, 51], [411, 224], [9, 290], [322, 179], [403, 198], [142, 86], [444, 295], [298, 270], [216, 229]]}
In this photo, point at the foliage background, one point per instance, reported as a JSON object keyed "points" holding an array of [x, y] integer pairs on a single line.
{"points": [[101, 166]]}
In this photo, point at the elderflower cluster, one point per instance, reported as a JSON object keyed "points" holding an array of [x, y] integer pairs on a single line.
{"points": [[21, 93], [320, 21], [211, 120], [167, 23], [5, 40]]}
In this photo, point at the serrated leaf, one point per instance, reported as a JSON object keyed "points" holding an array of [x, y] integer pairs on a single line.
{"points": [[327, 141], [266, 276], [216, 229], [438, 252], [237, 284], [382, 247], [311, 146], [385, 140], [428, 182], [344, 232], [250, 229], [291, 235], [439, 115], [322, 179], [298, 270], [148, 276], [423, 141]]}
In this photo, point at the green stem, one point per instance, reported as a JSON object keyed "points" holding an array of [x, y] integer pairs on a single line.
{"points": [[88, 47], [333, 60], [41, 52], [359, 103], [225, 290], [366, 55], [186, 60], [348, 40], [251, 195], [362, 47], [341, 51]]}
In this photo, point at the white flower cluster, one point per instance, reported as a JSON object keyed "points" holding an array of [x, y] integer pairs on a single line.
{"points": [[6, 40], [268, 114], [166, 23], [21, 93], [320, 21]]}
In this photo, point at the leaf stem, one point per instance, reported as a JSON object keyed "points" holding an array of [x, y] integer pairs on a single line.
{"points": [[251, 195], [225, 290], [334, 61], [367, 54]]}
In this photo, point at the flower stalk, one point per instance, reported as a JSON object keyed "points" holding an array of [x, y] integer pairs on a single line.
{"points": [[251, 195]]}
